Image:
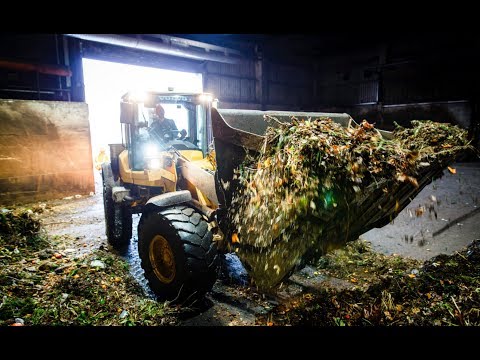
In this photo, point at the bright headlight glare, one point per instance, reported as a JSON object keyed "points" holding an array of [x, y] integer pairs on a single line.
{"points": [[138, 96], [154, 164], [206, 97], [151, 150]]}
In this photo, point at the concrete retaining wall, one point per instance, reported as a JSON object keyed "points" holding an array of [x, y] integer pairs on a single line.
{"points": [[45, 150]]}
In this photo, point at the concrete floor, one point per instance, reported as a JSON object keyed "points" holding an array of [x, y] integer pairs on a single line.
{"points": [[454, 198]]}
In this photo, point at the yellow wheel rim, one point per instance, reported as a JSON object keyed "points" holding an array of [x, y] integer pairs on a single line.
{"points": [[162, 259]]}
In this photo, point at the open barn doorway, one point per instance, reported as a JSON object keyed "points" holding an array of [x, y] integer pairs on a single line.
{"points": [[105, 83]]}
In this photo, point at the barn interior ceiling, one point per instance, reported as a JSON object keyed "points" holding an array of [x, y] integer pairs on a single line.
{"points": [[395, 47]]}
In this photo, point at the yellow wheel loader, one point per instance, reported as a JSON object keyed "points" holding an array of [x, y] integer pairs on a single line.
{"points": [[183, 187], [169, 179]]}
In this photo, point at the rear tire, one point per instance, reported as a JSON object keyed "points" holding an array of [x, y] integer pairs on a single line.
{"points": [[177, 253], [118, 217]]}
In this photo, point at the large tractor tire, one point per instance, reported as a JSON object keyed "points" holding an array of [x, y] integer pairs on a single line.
{"points": [[177, 253], [118, 217]]}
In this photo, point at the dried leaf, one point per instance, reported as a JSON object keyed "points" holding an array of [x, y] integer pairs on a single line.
{"points": [[419, 211], [413, 181], [404, 177], [276, 268], [367, 125], [235, 238], [452, 170]]}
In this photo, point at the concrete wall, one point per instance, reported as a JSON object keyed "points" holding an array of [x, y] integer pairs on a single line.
{"points": [[45, 150]]}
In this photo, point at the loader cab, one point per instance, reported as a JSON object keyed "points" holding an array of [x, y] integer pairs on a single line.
{"points": [[190, 113]]}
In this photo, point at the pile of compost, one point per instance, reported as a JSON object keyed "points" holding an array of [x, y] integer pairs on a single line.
{"points": [[19, 229], [315, 185], [388, 290], [47, 280]]}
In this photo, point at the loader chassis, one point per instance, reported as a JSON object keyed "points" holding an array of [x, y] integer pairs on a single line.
{"points": [[169, 181]]}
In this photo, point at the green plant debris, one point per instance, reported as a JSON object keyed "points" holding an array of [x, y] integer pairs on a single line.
{"points": [[20, 229], [42, 283], [388, 290], [317, 185]]}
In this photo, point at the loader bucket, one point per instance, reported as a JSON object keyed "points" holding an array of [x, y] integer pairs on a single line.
{"points": [[240, 132], [237, 133], [246, 127]]}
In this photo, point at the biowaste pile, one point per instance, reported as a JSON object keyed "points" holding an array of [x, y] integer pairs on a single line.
{"points": [[315, 185]]}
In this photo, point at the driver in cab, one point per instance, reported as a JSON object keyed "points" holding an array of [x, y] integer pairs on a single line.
{"points": [[162, 128]]}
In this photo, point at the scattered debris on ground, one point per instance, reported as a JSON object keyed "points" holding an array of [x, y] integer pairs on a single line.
{"points": [[38, 282], [317, 185], [383, 290], [51, 280]]}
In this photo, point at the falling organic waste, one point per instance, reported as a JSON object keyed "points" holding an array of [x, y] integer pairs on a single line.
{"points": [[316, 185]]}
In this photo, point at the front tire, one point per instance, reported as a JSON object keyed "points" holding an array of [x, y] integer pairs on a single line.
{"points": [[177, 253], [118, 217]]}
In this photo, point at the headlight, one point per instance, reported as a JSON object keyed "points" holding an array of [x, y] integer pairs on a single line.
{"points": [[205, 97], [154, 164], [151, 150]]}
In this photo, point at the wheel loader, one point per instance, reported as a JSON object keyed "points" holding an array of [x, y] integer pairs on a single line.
{"points": [[183, 185]]}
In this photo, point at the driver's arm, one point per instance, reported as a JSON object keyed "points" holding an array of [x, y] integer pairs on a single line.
{"points": [[172, 124]]}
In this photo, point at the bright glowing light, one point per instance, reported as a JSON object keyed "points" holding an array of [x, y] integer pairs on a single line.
{"points": [[151, 150], [105, 84], [154, 164], [206, 97], [138, 96]]}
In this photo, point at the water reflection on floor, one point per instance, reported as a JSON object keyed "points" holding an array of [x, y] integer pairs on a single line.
{"points": [[130, 254]]}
